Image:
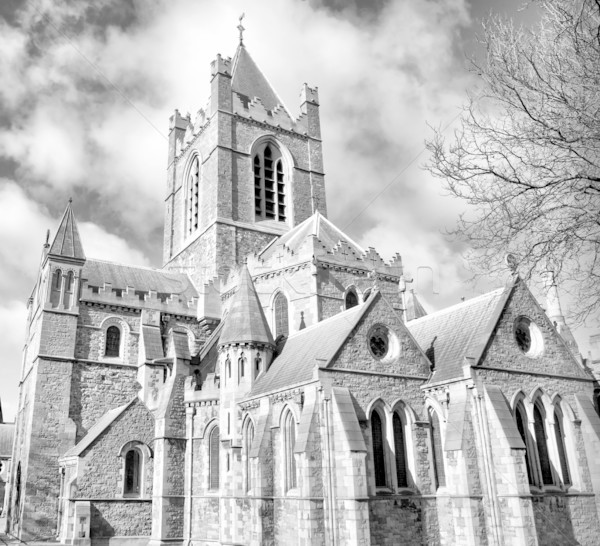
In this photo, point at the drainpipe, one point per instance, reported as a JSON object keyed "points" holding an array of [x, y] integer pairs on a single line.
{"points": [[330, 480]]}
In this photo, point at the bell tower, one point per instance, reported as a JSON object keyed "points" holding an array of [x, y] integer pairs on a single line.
{"points": [[241, 172]]}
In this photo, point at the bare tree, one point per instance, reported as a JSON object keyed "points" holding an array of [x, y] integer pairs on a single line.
{"points": [[527, 153]]}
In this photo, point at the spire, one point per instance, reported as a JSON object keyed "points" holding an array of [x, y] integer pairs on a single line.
{"points": [[248, 80], [67, 242], [245, 322]]}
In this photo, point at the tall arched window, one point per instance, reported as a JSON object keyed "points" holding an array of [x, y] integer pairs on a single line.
{"points": [[113, 341], [378, 438], [248, 439], [68, 295], [56, 288], [269, 184], [280, 315], [400, 447], [193, 196], [438, 452], [542, 446], [560, 444], [213, 458], [351, 299], [521, 418], [242, 366], [133, 473], [289, 442]]}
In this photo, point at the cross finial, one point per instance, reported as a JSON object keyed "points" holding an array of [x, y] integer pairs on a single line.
{"points": [[241, 28]]}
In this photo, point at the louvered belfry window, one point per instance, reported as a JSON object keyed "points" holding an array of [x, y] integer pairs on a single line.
{"points": [[378, 449], [281, 317], [542, 446], [213, 458], [400, 448], [522, 427], [269, 184], [560, 444], [193, 197], [438, 452]]}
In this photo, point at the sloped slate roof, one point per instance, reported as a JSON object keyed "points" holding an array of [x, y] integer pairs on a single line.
{"points": [[460, 331], [246, 321], [248, 80], [318, 226], [313, 346], [98, 272], [67, 242], [97, 429], [7, 431]]}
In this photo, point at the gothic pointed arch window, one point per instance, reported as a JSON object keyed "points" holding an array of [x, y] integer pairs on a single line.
{"points": [[542, 445], [378, 439], [68, 293], [281, 315], [289, 442], [56, 288], [400, 450], [113, 341], [437, 448], [561, 446], [269, 183], [351, 299], [214, 445], [193, 195], [521, 418], [248, 439]]}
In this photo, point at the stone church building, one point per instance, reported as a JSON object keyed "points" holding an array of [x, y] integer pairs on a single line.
{"points": [[276, 383]]}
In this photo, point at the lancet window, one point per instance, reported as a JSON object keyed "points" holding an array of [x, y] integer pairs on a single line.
{"points": [[269, 184], [193, 195]]}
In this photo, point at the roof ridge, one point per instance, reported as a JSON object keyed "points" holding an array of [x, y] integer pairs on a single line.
{"points": [[145, 267]]}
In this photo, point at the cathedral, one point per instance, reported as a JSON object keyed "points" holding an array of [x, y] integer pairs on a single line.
{"points": [[276, 383]]}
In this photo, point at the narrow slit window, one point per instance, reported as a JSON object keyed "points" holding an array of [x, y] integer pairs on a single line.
{"points": [[193, 197], [213, 458], [289, 439], [247, 447]]}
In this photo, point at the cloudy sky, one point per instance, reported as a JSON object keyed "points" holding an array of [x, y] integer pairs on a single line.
{"points": [[88, 86]]}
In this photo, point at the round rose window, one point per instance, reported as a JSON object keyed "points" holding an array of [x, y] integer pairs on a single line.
{"points": [[528, 337]]}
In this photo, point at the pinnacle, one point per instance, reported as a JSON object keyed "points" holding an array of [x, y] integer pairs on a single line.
{"points": [[67, 242]]}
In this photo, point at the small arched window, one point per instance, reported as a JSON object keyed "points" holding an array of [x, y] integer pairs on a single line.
{"points": [[56, 288], [248, 439], [193, 197], [521, 418], [280, 315], [366, 294], [289, 442], [257, 363], [542, 446], [214, 446], [133, 473], [400, 447], [113, 341], [269, 184], [242, 365], [351, 299], [378, 449], [438, 452], [68, 295], [561, 447]]}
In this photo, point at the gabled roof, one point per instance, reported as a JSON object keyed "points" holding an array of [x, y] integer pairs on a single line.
{"points": [[67, 242], [144, 279], [315, 226], [248, 80], [7, 432], [460, 331], [308, 348], [97, 429], [246, 321]]}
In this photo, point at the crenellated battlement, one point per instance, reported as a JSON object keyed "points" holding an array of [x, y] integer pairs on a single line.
{"points": [[309, 94], [221, 65]]}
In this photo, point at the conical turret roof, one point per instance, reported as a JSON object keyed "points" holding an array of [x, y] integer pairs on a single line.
{"points": [[67, 242], [246, 321], [248, 80]]}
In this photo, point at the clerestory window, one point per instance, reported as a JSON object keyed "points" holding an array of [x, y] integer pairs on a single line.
{"points": [[269, 184]]}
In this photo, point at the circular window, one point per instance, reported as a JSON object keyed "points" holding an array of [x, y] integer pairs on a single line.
{"points": [[528, 337], [379, 341]]}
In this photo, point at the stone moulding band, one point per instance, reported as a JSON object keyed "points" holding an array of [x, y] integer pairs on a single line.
{"points": [[531, 372]]}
